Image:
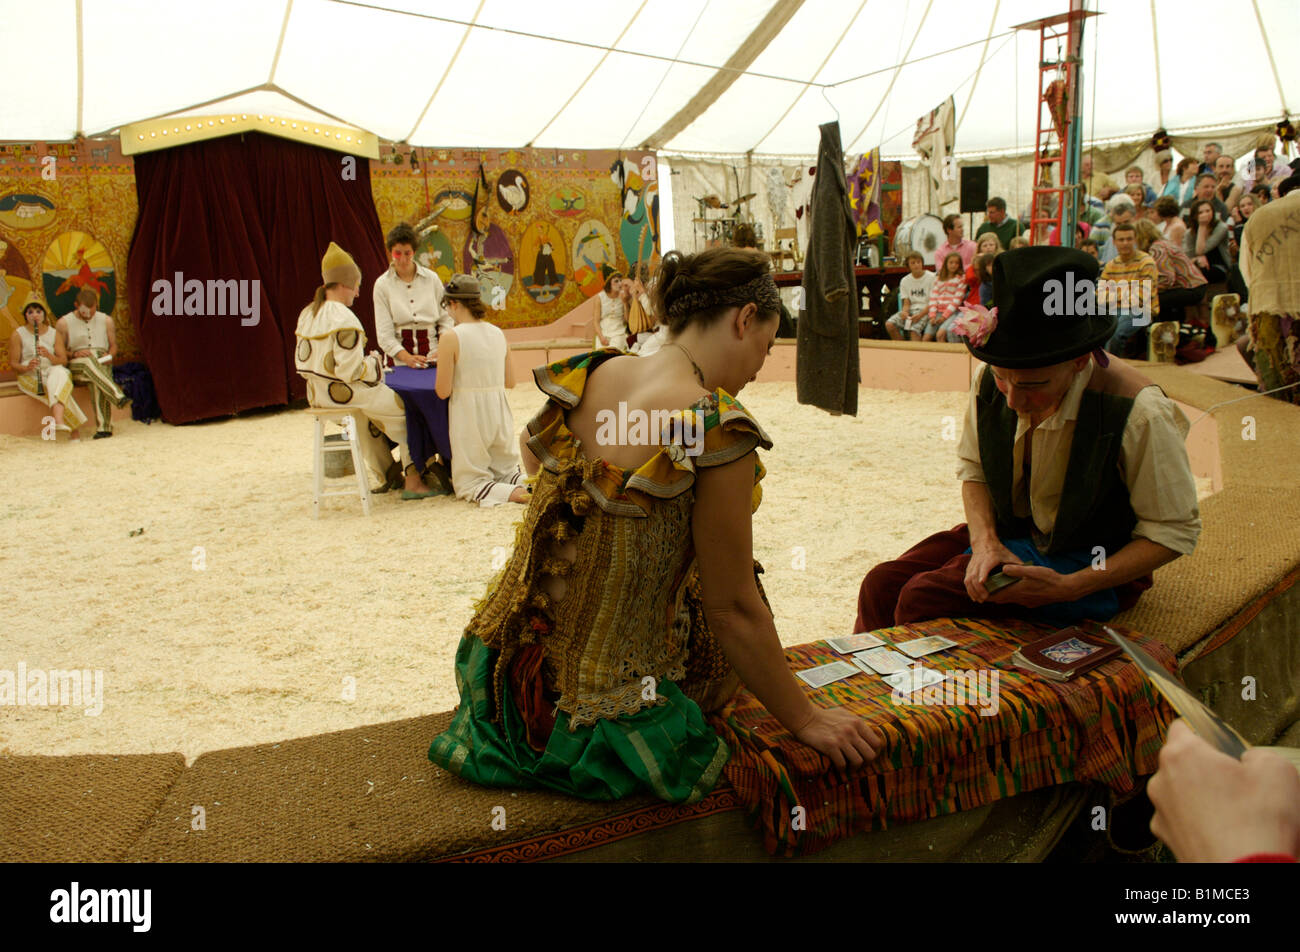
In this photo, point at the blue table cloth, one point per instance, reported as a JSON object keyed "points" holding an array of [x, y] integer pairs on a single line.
{"points": [[426, 413]]}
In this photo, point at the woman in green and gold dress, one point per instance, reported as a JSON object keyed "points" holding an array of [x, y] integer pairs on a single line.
{"points": [[630, 605]]}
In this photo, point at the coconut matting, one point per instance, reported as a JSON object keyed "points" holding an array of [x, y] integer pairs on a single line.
{"points": [[1250, 536], [88, 808], [363, 794], [371, 794]]}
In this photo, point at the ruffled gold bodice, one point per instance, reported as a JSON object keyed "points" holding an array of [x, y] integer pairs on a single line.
{"points": [[622, 618]]}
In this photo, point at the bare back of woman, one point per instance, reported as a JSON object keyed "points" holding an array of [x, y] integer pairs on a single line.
{"points": [[625, 386]]}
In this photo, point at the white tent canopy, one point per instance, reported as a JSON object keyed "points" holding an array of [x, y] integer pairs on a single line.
{"points": [[682, 76]]}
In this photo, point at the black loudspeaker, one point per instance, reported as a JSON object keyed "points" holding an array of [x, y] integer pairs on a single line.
{"points": [[974, 188]]}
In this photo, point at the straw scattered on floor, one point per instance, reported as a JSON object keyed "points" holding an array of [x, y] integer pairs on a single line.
{"points": [[235, 618]]}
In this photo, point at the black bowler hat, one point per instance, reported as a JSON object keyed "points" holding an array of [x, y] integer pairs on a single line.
{"points": [[1047, 309]]}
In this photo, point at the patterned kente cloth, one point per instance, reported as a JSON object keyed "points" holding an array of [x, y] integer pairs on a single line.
{"points": [[1105, 726]]}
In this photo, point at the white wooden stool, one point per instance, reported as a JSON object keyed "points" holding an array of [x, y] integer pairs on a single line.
{"points": [[350, 444]]}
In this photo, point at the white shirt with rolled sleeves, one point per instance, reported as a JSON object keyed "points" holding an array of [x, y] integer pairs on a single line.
{"points": [[1153, 460], [415, 304]]}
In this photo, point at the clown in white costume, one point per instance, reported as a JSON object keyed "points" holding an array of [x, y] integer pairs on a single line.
{"points": [[331, 357]]}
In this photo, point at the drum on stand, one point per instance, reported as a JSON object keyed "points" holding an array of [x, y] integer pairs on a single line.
{"points": [[924, 233]]}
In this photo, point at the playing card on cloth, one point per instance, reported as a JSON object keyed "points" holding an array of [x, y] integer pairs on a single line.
{"points": [[824, 674], [847, 644], [925, 646], [881, 660]]}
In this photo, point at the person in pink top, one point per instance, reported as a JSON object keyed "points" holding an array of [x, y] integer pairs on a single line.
{"points": [[953, 228], [947, 297]]}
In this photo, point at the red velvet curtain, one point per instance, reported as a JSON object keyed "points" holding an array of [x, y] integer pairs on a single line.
{"points": [[243, 209]]}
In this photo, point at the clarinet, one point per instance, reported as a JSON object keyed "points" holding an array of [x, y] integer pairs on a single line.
{"points": [[36, 346]]}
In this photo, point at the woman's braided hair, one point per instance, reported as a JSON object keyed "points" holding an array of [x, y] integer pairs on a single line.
{"points": [[698, 289]]}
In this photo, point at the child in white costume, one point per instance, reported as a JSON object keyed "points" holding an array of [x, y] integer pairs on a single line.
{"points": [[331, 357], [611, 321], [473, 374]]}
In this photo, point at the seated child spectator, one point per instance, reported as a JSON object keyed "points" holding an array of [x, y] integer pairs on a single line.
{"points": [[947, 296], [1089, 246], [1020, 241], [990, 246], [611, 320], [984, 271], [913, 300]]}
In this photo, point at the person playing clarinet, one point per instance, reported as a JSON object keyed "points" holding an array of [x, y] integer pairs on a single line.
{"points": [[38, 356]]}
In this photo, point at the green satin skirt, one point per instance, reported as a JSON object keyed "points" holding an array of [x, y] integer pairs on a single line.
{"points": [[668, 750]]}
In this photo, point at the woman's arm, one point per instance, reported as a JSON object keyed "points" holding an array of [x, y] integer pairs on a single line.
{"points": [[744, 627], [16, 354], [1215, 238], [531, 463], [448, 353], [510, 369]]}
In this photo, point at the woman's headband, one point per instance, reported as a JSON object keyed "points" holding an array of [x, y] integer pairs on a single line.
{"points": [[761, 291]]}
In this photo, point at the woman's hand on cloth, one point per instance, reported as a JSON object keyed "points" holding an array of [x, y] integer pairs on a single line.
{"points": [[982, 562], [845, 738], [1211, 808]]}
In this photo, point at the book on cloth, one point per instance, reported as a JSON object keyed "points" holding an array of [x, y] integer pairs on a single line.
{"points": [[1204, 722], [1065, 654]]}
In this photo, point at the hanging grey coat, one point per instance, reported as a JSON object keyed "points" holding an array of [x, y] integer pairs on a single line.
{"points": [[827, 350]]}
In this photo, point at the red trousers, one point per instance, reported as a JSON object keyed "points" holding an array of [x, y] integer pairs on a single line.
{"points": [[929, 581]]}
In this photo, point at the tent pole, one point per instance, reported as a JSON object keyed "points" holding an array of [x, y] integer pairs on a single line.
{"points": [[1074, 147]]}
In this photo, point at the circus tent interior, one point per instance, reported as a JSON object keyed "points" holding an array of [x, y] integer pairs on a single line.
{"points": [[539, 146]]}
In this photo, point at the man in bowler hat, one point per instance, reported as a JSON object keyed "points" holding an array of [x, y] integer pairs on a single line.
{"points": [[1075, 478]]}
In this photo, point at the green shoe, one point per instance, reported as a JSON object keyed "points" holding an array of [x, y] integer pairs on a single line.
{"points": [[407, 494]]}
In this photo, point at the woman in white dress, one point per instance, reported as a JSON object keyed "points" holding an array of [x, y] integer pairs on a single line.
{"points": [[474, 372], [38, 356]]}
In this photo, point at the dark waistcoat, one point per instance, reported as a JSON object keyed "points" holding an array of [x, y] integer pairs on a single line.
{"points": [[1095, 508]]}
